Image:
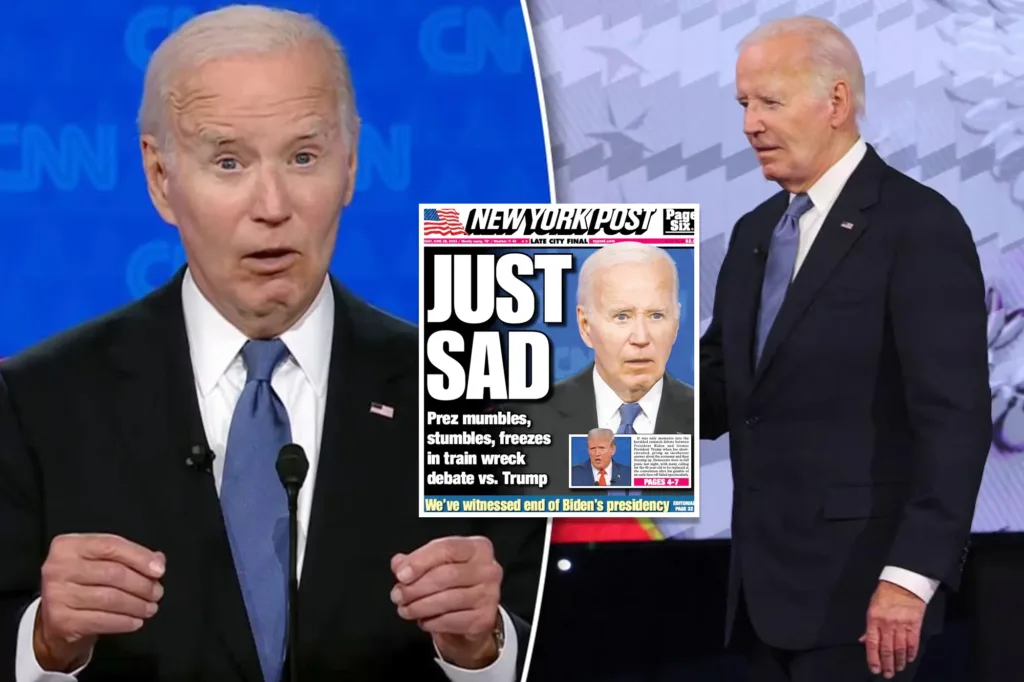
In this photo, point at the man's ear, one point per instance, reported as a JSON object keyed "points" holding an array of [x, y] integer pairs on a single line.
{"points": [[353, 163], [584, 325], [155, 166]]}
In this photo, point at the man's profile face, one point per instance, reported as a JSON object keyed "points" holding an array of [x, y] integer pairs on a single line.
{"points": [[261, 171], [786, 123], [601, 450], [631, 323]]}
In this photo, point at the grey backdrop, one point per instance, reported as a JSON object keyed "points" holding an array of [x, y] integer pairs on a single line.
{"points": [[640, 103]]}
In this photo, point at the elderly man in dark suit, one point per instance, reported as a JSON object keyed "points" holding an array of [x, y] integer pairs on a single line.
{"points": [[847, 361], [144, 528]]}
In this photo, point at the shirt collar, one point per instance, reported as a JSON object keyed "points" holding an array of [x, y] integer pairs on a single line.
{"points": [[826, 190], [608, 403], [214, 342]]}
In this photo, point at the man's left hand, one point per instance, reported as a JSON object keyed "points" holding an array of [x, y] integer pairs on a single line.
{"points": [[893, 634], [452, 587]]}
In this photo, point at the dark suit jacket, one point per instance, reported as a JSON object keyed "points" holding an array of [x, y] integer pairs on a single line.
{"points": [[95, 427], [860, 438], [583, 474], [572, 409]]}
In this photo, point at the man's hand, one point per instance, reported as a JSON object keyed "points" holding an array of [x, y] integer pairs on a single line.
{"points": [[893, 634], [451, 587], [92, 585]]}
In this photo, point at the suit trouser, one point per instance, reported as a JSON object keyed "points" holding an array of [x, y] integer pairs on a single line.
{"points": [[844, 663]]}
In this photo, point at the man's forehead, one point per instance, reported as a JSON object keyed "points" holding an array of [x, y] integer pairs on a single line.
{"points": [[619, 283], [287, 92], [779, 58], [219, 131]]}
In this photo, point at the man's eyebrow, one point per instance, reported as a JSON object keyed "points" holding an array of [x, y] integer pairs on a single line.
{"points": [[314, 132], [215, 138]]}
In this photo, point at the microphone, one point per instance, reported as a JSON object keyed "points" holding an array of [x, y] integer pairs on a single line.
{"points": [[761, 252], [292, 467], [201, 459]]}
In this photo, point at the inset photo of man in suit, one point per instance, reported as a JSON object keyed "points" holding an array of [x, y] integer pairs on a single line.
{"points": [[600, 468]]}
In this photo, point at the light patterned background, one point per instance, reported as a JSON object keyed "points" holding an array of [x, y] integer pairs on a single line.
{"points": [[640, 104]]}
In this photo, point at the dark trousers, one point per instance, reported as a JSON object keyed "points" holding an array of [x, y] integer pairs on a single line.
{"points": [[845, 663]]}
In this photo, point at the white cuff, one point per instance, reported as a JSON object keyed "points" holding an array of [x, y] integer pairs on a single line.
{"points": [[26, 667], [502, 670], [918, 584]]}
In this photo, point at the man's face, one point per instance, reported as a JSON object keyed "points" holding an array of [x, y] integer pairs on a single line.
{"points": [[631, 324], [785, 120], [601, 450], [261, 170]]}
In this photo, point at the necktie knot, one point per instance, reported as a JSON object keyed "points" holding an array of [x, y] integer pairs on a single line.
{"points": [[629, 412], [801, 204], [262, 357]]}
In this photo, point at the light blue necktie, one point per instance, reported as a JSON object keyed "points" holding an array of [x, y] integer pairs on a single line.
{"points": [[255, 505], [628, 412], [778, 271]]}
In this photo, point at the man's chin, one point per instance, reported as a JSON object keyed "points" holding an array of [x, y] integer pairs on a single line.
{"points": [[642, 377]]}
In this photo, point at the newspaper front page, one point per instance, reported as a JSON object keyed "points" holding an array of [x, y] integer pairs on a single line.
{"points": [[558, 349]]}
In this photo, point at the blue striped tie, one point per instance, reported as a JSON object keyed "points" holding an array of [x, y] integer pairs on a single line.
{"points": [[255, 505], [628, 412], [778, 271]]}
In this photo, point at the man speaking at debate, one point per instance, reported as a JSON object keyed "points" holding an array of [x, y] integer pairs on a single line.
{"points": [[144, 527], [600, 468], [628, 312], [846, 358]]}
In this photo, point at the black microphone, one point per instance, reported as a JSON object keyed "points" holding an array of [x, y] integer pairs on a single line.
{"points": [[292, 467], [761, 252], [201, 459]]}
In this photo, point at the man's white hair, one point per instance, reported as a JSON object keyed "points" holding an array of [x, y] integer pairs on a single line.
{"points": [[230, 32], [833, 55], [619, 254], [606, 434]]}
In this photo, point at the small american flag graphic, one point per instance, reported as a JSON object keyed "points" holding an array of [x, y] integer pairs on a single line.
{"points": [[847, 225], [442, 222], [385, 411]]}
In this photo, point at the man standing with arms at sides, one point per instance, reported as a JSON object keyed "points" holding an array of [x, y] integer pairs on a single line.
{"points": [[127, 554], [846, 359]]}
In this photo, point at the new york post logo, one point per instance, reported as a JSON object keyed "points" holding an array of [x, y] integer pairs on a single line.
{"points": [[680, 220]]}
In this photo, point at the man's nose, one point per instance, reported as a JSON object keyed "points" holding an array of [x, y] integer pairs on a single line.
{"points": [[753, 124], [271, 204], [641, 335]]}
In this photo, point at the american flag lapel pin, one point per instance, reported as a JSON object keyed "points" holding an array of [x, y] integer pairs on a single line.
{"points": [[385, 411], [846, 225]]}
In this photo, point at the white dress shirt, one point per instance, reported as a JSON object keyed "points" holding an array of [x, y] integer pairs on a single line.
{"points": [[301, 383], [823, 194]]}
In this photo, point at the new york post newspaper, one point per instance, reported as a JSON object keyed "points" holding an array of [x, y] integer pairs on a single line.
{"points": [[558, 353]]}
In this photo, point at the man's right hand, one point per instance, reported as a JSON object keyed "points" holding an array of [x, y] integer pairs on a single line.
{"points": [[92, 585]]}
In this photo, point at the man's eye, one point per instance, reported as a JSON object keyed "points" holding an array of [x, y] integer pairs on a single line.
{"points": [[227, 164], [304, 158]]}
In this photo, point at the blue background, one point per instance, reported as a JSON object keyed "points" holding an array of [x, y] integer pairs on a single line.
{"points": [[571, 355], [623, 449], [447, 94]]}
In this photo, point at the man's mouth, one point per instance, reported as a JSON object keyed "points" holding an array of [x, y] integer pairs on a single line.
{"points": [[268, 261]]}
